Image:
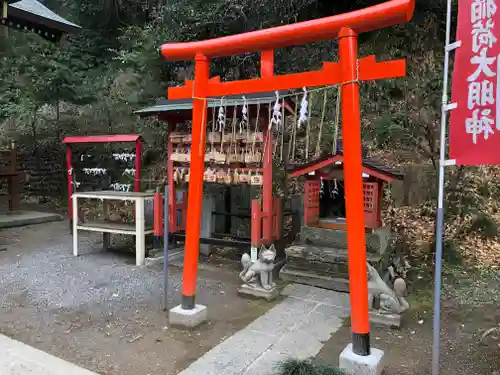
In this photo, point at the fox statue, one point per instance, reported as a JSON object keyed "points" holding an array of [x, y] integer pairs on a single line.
{"points": [[259, 274]]}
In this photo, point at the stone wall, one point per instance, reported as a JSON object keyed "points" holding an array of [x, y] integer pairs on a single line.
{"points": [[44, 172]]}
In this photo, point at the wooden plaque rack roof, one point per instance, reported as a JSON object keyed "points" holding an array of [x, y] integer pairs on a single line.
{"points": [[34, 16]]}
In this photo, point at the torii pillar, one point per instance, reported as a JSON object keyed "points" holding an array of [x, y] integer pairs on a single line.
{"points": [[358, 357]]}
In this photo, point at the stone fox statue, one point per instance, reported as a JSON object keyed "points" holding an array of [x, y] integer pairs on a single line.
{"points": [[259, 273], [391, 300]]}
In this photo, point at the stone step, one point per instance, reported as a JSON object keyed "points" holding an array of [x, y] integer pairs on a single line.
{"points": [[314, 279], [327, 261], [325, 254], [324, 267], [376, 242]]}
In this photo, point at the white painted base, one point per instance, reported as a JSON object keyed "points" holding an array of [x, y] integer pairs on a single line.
{"points": [[354, 364], [188, 318]]}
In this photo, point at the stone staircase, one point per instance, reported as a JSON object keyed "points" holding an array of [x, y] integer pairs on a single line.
{"points": [[320, 257]]}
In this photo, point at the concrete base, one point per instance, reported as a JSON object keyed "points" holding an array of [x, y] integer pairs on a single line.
{"points": [[386, 320], [206, 250], [188, 318], [354, 364], [268, 295], [22, 218]]}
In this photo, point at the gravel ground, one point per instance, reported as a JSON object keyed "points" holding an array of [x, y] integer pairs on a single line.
{"points": [[103, 313], [469, 309]]}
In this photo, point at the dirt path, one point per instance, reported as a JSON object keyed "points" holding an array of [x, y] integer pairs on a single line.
{"points": [[102, 313], [470, 307]]}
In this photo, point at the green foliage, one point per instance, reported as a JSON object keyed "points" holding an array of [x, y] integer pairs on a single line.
{"points": [[91, 82], [485, 226], [451, 252], [296, 367]]}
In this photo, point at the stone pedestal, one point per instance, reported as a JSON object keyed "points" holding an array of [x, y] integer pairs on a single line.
{"points": [[321, 259], [256, 292], [354, 364], [323, 267], [386, 320], [187, 318], [378, 241]]}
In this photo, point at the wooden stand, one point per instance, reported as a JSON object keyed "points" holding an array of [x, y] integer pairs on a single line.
{"points": [[265, 217], [138, 229], [9, 171]]}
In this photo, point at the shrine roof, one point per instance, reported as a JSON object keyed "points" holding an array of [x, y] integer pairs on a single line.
{"points": [[36, 17], [370, 166], [184, 106]]}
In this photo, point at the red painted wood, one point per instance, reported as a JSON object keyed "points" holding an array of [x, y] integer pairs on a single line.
{"points": [[311, 201], [329, 75], [371, 204], [267, 63], [69, 166], [255, 234], [197, 168], [313, 167], [267, 189], [138, 164], [351, 136], [158, 215], [111, 138]]}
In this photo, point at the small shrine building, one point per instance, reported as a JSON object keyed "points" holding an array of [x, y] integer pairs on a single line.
{"points": [[324, 204]]}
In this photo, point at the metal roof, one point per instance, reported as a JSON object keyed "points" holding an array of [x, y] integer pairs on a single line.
{"points": [[331, 160], [34, 16], [180, 105]]}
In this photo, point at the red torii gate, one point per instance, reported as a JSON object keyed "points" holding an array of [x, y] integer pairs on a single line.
{"points": [[347, 72]]}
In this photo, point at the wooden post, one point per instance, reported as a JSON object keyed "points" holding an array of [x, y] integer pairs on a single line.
{"points": [[267, 70], [311, 202], [267, 189], [195, 195], [158, 214], [356, 241], [70, 184], [255, 236]]}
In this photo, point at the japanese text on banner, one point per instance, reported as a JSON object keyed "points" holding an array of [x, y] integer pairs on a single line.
{"points": [[475, 113]]}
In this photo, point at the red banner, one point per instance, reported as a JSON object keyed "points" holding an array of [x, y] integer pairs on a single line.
{"points": [[475, 123]]}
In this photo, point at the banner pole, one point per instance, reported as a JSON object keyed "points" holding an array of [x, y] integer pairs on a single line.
{"points": [[439, 212]]}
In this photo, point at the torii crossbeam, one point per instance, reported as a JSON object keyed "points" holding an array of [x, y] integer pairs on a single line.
{"points": [[347, 73], [330, 74]]}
